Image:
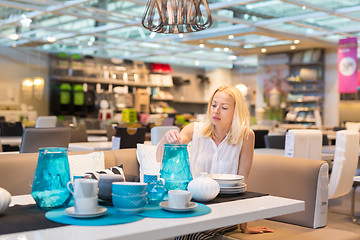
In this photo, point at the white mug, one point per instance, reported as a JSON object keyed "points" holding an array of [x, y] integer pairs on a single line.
{"points": [[85, 205], [84, 188], [179, 198]]}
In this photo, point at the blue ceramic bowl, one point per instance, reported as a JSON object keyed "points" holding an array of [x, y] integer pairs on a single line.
{"points": [[129, 204], [129, 188]]}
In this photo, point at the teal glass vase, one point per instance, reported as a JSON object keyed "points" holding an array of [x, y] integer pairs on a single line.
{"points": [[175, 168], [52, 174]]}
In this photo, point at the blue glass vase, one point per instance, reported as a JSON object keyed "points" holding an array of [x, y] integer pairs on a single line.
{"points": [[52, 174], [175, 168]]}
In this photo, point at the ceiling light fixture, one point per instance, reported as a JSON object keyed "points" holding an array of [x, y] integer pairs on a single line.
{"points": [[226, 49], [292, 47], [303, 7], [51, 39], [263, 50], [14, 36], [25, 21], [201, 45], [231, 36], [176, 16], [296, 41]]}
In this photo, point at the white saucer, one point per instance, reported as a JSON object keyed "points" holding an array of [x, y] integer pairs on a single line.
{"points": [[70, 211], [238, 186], [232, 191], [165, 205]]}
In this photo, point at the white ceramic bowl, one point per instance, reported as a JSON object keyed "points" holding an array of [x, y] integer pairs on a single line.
{"points": [[227, 180]]}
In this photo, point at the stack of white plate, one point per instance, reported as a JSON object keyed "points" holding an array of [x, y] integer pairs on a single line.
{"points": [[230, 183]]}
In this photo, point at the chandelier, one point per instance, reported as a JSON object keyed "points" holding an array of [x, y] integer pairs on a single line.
{"points": [[176, 16]]}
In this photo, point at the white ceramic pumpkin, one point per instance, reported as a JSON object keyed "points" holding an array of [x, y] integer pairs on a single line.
{"points": [[204, 188], [5, 199]]}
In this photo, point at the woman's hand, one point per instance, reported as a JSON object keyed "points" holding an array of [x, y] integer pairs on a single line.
{"points": [[256, 230], [173, 136]]}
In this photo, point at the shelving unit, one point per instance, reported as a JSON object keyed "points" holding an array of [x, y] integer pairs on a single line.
{"points": [[306, 81], [94, 71]]}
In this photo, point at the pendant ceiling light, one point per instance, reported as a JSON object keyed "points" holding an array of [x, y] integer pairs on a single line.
{"points": [[176, 16]]}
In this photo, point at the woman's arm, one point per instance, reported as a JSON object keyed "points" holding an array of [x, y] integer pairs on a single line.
{"points": [[175, 137], [245, 162]]}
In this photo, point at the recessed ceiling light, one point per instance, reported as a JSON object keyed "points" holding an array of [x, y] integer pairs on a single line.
{"points": [[201, 45], [263, 50], [226, 49], [197, 62], [303, 7], [296, 41], [181, 35], [152, 34], [231, 36], [51, 39], [14, 36], [25, 21], [292, 47]]}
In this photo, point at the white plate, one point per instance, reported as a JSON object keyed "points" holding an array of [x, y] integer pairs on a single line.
{"points": [[165, 205], [227, 180], [238, 186], [70, 211], [232, 191]]}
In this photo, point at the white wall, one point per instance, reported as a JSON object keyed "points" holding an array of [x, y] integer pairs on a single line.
{"points": [[218, 77], [17, 64]]}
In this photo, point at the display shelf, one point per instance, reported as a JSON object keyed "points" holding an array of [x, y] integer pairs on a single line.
{"points": [[104, 81], [190, 102], [306, 80], [304, 101]]}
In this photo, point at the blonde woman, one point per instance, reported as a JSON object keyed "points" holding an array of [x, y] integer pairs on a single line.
{"points": [[224, 143]]}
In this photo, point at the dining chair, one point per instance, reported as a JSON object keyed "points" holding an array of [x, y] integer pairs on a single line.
{"points": [[110, 130], [46, 122], [128, 140], [355, 126], [353, 200], [1, 147], [303, 143], [345, 163], [11, 129], [158, 132], [259, 138], [275, 141], [325, 140], [92, 123], [35, 138], [78, 133]]}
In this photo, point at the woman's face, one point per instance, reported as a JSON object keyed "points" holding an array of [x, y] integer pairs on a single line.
{"points": [[222, 109]]}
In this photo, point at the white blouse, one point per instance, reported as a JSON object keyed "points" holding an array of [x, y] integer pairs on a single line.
{"points": [[205, 156]]}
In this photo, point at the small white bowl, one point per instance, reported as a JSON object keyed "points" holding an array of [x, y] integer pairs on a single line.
{"points": [[227, 180]]}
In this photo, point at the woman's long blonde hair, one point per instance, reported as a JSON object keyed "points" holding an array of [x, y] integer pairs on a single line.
{"points": [[241, 118]]}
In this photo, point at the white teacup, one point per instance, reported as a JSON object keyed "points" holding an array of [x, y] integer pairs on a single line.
{"points": [[179, 198], [84, 188], [85, 205]]}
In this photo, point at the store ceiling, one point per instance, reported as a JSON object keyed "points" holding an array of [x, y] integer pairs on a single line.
{"points": [[241, 30]]}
